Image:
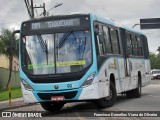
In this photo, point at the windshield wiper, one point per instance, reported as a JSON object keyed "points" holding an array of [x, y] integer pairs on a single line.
{"points": [[63, 40], [43, 45], [84, 47]]}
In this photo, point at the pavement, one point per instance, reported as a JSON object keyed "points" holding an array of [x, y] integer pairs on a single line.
{"points": [[151, 92], [148, 103], [4, 105]]}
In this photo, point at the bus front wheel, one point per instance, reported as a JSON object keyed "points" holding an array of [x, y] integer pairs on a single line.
{"points": [[108, 101], [52, 106]]}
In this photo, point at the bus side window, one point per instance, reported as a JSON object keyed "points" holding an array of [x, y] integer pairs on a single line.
{"points": [[134, 40], [99, 45], [131, 39], [129, 44], [145, 47], [107, 41], [115, 42], [140, 49]]}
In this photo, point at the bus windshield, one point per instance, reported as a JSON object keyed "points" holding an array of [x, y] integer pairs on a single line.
{"points": [[56, 53]]}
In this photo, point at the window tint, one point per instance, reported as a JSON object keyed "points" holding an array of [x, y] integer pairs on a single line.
{"points": [[107, 40], [99, 40], [146, 47], [135, 47], [129, 44], [140, 49], [114, 39], [100, 46]]}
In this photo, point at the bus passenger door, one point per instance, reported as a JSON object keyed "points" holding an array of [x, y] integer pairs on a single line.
{"points": [[128, 62], [103, 84]]}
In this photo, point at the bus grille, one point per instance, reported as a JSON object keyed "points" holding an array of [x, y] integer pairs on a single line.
{"points": [[67, 95]]}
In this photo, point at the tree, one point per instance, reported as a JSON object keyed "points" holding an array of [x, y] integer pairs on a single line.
{"points": [[153, 60], [6, 41], [158, 50]]}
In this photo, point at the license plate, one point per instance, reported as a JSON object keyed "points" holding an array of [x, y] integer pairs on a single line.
{"points": [[57, 98]]}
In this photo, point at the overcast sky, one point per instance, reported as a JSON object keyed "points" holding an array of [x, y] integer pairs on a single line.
{"points": [[127, 12]]}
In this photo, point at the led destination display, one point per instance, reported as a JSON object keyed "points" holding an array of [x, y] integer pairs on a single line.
{"points": [[55, 24]]}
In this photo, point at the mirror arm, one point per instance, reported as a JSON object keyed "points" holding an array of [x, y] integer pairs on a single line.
{"points": [[16, 31]]}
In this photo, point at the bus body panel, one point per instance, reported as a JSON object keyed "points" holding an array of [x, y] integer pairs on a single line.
{"points": [[114, 65], [111, 66], [91, 92], [28, 96]]}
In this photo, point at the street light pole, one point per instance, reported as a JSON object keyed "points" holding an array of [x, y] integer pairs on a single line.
{"points": [[44, 9], [32, 9], [153, 25], [59, 4], [135, 25]]}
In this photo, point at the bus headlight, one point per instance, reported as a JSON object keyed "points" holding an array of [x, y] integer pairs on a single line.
{"points": [[26, 85], [89, 80]]}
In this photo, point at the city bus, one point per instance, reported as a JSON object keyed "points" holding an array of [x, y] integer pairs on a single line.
{"points": [[81, 57]]}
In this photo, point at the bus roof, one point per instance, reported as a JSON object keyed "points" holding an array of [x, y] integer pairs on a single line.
{"points": [[102, 19], [93, 17], [132, 30], [114, 23], [56, 16]]}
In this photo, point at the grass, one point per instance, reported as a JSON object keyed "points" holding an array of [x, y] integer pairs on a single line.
{"points": [[15, 93]]}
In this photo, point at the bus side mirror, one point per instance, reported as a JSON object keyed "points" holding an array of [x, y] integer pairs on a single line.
{"points": [[13, 41], [98, 33], [96, 29], [13, 45]]}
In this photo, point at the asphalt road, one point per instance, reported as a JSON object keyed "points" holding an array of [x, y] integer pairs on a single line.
{"points": [[150, 101]]}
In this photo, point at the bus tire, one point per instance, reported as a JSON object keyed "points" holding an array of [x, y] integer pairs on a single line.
{"points": [[52, 106], [138, 91], [135, 93], [129, 94], [108, 102]]}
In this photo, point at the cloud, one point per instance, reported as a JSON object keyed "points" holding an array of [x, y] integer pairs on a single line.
{"points": [[128, 12], [12, 12]]}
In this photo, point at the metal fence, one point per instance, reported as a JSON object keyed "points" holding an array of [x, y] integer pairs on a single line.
{"points": [[4, 75]]}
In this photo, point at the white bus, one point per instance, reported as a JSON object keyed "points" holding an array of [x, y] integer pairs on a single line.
{"points": [[81, 57]]}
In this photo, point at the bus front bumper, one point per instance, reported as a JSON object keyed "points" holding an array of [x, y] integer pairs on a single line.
{"points": [[80, 94]]}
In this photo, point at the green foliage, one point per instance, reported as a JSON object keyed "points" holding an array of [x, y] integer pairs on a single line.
{"points": [[155, 60], [158, 50], [15, 93], [5, 43], [8, 47]]}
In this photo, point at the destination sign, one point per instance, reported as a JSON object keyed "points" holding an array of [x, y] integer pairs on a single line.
{"points": [[55, 24]]}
